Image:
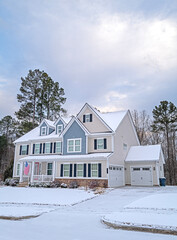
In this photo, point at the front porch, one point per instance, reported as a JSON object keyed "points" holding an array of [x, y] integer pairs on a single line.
{"points": [[35, 171]]}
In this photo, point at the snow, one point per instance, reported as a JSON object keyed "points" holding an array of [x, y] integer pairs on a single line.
{"points": [[82, 221], [64, 157], [144, 153], [55, 196]]}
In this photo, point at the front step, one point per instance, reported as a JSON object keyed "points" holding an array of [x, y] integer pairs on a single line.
{"points": [[23, 184]]}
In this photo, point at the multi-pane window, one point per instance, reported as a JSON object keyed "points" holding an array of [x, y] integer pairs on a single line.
{"points": [[58, 147], [94, 170], [125, 146], [24, 150], [59, 129], [87, 117], [74, 145], [80, 170], [66, 170], [49, 168], [47, 148], [18, 169], [100, 143], [37, 148], [43, 131]]}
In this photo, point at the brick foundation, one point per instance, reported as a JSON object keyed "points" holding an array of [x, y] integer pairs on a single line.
{"points": [[85, 182]]}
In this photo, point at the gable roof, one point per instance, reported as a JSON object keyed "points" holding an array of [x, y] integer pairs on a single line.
{"points": [[65, 120], [70, 123], [48, 122], [145, 153]]}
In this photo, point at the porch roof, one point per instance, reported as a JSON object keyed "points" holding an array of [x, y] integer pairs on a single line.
{"points": [[91, 156]]}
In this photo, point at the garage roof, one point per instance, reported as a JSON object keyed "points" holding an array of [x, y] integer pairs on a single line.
{"points": [[145, 153]]}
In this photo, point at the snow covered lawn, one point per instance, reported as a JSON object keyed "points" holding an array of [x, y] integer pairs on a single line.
{"points": [[48, 196], [157, 212]]}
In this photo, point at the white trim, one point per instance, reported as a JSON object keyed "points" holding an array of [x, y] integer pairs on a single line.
{"points": [[66, 170], [60, 125], [56, 147], [157, 172], [86, 144], [74, 145], [45, 148]]}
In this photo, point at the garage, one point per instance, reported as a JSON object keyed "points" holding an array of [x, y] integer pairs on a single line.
{"points": [[116, 176], [141, 176]]}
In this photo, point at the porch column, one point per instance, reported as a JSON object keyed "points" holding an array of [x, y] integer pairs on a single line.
{"points": [[54, 167], [32, 172], [21, 172]]}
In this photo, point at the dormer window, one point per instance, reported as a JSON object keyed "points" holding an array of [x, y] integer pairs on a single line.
{"points": [[43, 131], [87, 118], [59, 129]]}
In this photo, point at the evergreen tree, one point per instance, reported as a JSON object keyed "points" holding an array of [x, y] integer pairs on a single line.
{"points": [[165, 121]]}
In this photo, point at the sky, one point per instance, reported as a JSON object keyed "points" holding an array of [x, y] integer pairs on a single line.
{"points": [[112, 54]]}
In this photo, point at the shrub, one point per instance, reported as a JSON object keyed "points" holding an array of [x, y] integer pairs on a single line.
{"points": [[93, 184], [64, 185], [11, 182], [73, 184]]}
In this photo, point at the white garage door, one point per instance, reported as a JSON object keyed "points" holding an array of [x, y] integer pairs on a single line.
{"points": [[141, 176], [116, 176]]}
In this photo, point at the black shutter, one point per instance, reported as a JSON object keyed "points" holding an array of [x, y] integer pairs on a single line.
{"points": [[33, 148], [61, 171], [95, 144], [51, 147], [70, 173], [105, 143], [84, 118], [43, 147], [90, 117], [20, 153], [54, 150], [99, 169], [89, 170], [75, 169], [27, 150], [40, 148], [85, 169]]}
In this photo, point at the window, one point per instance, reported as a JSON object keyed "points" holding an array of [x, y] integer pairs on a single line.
{"points": [[94, 170], [136, 169], [74, 145], [100, 143], [80, 170], [146, 169], [18, 169], [47, 148], [58, 147], [49, 168], [87, 117], [124, 146], [59, 129], [43, 131], [160, 168], [66, 170], [24, 150], [37, 148]]}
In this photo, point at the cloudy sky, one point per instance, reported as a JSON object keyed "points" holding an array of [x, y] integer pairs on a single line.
{"points": [[113, 54]]}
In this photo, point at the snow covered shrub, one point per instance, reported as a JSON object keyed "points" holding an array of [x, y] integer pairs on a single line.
{"points": [[64, 185], [73, 184], [11, 182], [54, 184], [93, 184]]}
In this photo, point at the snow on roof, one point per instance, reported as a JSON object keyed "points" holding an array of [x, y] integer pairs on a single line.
{"points": [[92, 156], [144, 153], [112, 119], [34, 135], [50, 123]]}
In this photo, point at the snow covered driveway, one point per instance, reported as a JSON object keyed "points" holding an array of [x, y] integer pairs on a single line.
{"points": [[82, 221]]}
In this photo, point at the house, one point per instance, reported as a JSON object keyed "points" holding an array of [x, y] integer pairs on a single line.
{"points": [[91, 146]]}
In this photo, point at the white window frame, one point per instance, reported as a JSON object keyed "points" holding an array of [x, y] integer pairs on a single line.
{"points": [[100, 144], [74, 144], [42, 133], [87, 117], [48, 169], [24, 152], [80, 170], [125, 146], [46, 148], [18, 169], [35, 148], [64, 170], [94, 170], [56, 147], [59, 126]]}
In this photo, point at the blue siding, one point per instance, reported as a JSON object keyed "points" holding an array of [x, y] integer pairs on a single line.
{"points": [[43, 125], [59, 123], [75, 131], [51, 130]]}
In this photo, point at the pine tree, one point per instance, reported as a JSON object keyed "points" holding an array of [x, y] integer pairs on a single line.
{"points": [[165, 121]]}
